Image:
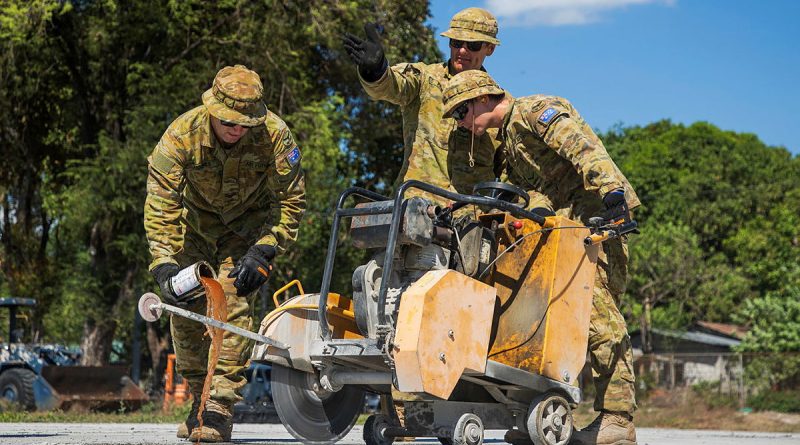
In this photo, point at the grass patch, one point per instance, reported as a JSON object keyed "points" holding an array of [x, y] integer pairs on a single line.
{"points": [[149, 413]]}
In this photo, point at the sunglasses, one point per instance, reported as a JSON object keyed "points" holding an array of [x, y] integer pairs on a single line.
{"points": [[233, 124], [461, 111], [472, 46]]}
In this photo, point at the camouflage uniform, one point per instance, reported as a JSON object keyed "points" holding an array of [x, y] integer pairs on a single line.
{"points": [[436, 151], [551, 152], [208, 202]]}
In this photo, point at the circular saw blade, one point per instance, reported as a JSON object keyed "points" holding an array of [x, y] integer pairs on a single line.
{"points": [[314, 417]]}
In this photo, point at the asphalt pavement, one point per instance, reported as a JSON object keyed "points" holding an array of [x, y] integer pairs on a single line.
{"points": [[272, 434]]}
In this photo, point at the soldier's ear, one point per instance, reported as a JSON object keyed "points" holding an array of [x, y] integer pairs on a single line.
{"points": [[490, 48]]}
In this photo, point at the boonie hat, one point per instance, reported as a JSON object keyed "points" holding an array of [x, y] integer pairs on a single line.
{"points": [[467, 85], [236, 96], [473, 25]]}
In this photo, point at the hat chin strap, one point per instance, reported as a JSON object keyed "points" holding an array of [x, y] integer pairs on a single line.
{"points": [[472, 139]]}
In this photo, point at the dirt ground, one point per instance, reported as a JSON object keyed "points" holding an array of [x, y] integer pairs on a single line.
{"points": [[683, 409]]}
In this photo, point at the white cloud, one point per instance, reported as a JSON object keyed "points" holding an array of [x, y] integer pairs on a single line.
{"points": [[558, 12]]}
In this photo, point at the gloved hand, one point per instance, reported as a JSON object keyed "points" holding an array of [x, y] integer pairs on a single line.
{"points": [[253, 269], [616, 206], [163, 273], [367, 54]]}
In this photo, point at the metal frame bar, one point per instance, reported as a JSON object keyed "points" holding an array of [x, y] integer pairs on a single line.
{"points": [[325, 332], [218, 324], [525, 379]]}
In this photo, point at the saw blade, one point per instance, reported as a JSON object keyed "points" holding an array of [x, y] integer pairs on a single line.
{"points": [[314, 417]]}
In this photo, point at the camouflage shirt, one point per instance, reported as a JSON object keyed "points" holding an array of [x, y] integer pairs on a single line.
{"points": [[436, 150], [554, 154], [255, 189]]}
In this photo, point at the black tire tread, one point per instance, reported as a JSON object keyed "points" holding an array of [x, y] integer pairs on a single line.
{"points": [[23, 379]]}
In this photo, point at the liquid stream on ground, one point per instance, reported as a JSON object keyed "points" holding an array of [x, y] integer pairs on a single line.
{"points": [[216, 308]]}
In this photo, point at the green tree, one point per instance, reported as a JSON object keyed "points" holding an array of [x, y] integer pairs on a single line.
{"points": [[89, 87], [774, 322], [719, 219]]}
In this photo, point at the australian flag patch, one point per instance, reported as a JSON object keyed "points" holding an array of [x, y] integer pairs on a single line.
{"points": [[294, 156], [547, 115]]}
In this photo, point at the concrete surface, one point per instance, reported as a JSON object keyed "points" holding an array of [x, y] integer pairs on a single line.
{"points": [[272, 434]]}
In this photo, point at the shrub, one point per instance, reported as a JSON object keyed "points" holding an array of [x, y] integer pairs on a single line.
{"points": [[782, 401]]}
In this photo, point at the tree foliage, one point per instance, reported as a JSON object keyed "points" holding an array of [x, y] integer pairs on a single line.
{"points": [[90, 86], [720, 228]]}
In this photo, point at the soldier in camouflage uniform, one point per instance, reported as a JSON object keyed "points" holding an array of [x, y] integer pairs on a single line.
{"points": [[436, 150], [225, 185], [551, 152]]}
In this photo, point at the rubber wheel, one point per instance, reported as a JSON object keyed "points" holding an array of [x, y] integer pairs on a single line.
{"points": [[468, 430], [550, 420], [373, 430], [311, 415], [16, 386]]}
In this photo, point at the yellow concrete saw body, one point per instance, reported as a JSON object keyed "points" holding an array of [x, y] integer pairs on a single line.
{"points": [[471, 323], [500, 349]]}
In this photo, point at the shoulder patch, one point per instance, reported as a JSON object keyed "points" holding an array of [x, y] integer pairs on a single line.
{"points": [[161, 162], [287, 139], [294, 156], [547, 115]]}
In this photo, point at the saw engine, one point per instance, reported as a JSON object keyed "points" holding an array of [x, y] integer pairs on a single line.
{"points": [[429, 238]]}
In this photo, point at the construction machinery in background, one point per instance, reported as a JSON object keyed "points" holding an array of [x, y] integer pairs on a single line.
{"points": [[482, 319], [48, 376]]}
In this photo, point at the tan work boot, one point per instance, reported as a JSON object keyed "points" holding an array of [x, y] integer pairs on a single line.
{"points": [[216, 427], [191, 419], [608, 428]]}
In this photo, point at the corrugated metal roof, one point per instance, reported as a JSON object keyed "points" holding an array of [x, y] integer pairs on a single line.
{"points": [[732, 330], [699, 337]]}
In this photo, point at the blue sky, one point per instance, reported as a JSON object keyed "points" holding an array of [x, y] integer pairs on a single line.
{"points": [[733, 63]]}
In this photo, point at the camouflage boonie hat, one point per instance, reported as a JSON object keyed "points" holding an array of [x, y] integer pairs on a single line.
{"points": [[235, 96], [473, 25], [467, 85]]}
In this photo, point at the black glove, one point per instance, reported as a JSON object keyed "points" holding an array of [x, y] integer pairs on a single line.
{"points": [[367, 54], [616, 206], [252, 269], [163, 273]]}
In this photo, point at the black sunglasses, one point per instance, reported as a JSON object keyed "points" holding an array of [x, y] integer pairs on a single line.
{"points": [[472, 46], [461, 111], [233, 124]]}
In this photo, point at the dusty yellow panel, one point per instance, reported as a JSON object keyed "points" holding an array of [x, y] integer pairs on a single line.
{"points": [[300, 326], [443, 328], [544, 290]]}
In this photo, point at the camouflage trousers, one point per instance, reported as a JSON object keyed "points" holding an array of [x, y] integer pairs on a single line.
{"points": [[610, 348], [190, 339]]}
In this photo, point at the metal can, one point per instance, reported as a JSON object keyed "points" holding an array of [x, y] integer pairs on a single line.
{"points": [[186, 284]]}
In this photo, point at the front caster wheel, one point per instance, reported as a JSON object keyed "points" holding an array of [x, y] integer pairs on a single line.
{"points": [[550, 420], [468, 430]]}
